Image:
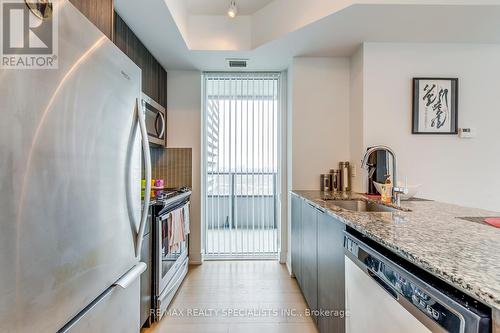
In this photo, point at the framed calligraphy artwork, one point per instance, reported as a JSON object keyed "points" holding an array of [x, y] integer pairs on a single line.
{"points": [[435, 106]]}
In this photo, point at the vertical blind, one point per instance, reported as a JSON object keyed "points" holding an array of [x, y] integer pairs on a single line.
{"points": [[241, 149]]}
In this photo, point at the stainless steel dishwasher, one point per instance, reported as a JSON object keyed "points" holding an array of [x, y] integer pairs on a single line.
{"points": [[386, 294]]}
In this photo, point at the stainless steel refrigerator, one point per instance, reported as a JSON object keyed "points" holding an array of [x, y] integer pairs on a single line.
{"points": [[70, 183]]}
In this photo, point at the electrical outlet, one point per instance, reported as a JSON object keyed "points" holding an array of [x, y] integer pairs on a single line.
{"points": [[354, 170]]}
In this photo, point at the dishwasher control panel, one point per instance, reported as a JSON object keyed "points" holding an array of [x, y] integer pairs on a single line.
{"points": [[420, 298]]}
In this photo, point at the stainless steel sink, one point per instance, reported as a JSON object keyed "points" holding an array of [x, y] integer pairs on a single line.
{"points": [[362, 206]]}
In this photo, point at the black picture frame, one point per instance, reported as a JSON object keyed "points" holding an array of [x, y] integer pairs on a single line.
{"points": [[453, 107]]}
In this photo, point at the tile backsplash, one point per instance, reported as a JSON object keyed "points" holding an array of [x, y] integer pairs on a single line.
{"points": [[173, 165]]}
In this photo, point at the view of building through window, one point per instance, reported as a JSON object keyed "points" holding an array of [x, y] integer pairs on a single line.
{"points": [[241, 155]]}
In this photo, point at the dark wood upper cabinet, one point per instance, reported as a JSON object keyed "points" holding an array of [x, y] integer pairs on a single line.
{"points": [[99, 12], [102, 14], [162, 87], [154, 77]]}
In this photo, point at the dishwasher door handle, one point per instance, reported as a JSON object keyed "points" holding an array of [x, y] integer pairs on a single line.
{"points": [[383, 284]]}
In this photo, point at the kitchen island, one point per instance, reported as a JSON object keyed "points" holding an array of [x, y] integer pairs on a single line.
{"points": [[434, 237]]}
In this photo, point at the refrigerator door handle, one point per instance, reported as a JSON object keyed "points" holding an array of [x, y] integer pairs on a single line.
{"points": [[147, 172], [129, 277]]}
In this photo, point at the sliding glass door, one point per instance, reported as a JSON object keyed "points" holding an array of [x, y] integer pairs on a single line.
{"points": [[241, 165]]}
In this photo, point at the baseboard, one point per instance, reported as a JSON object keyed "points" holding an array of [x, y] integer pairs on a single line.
{"points": [[289, 268], [195, 259], [282, 256]]}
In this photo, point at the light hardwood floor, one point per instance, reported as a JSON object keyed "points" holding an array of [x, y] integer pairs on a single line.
{"points": [[237, 296]]}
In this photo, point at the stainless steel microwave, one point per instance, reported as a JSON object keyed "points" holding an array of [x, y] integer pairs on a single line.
{"points": [[155, 121]]}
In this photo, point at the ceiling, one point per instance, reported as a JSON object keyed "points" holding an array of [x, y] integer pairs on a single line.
{"points": [[219, 7], [337, 34]]}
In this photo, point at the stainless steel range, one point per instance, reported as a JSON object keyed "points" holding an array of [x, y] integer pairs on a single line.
{"points": [[168, 249]]}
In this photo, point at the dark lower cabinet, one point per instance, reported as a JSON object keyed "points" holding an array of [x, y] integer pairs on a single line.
{"points": [[296, 243], [331, 283], [317, 252], [309, 262]]}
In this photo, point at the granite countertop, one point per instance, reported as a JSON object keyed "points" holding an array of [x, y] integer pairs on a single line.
{"points": [[429, 234]]}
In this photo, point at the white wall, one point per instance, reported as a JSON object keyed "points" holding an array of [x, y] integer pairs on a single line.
{"points": [[320, 118], [450, 169], [284, 241], [356, 120], [184, 131], [289, 164], [317, 124]]}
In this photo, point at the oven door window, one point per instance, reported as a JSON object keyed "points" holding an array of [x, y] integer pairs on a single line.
{"points": [[155, 122], [169, 254]]}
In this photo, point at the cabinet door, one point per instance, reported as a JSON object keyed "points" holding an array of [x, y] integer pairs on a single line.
{"points": [[99, 12], [331, 284], [154, 79], [296, 238], [309, 255], [128, 42], [147, 75], [162, 87]]}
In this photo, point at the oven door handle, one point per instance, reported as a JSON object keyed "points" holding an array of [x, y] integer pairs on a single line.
{"points": [[166, 214], [172, 285], [147, 172]]}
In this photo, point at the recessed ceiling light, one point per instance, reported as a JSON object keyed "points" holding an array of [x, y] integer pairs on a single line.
{"points": [[232, 10]]}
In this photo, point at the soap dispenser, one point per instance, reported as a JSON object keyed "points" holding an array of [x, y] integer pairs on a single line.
{"points": [[386, 195]]}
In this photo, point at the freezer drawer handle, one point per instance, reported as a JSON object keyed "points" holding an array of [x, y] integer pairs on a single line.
{"points": [[129, 277]]}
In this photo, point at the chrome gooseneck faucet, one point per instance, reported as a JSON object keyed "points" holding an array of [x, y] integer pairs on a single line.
{"points": [[396, 190]]}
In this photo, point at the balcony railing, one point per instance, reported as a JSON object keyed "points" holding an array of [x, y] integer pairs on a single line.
{"points": [[241, 214]]}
